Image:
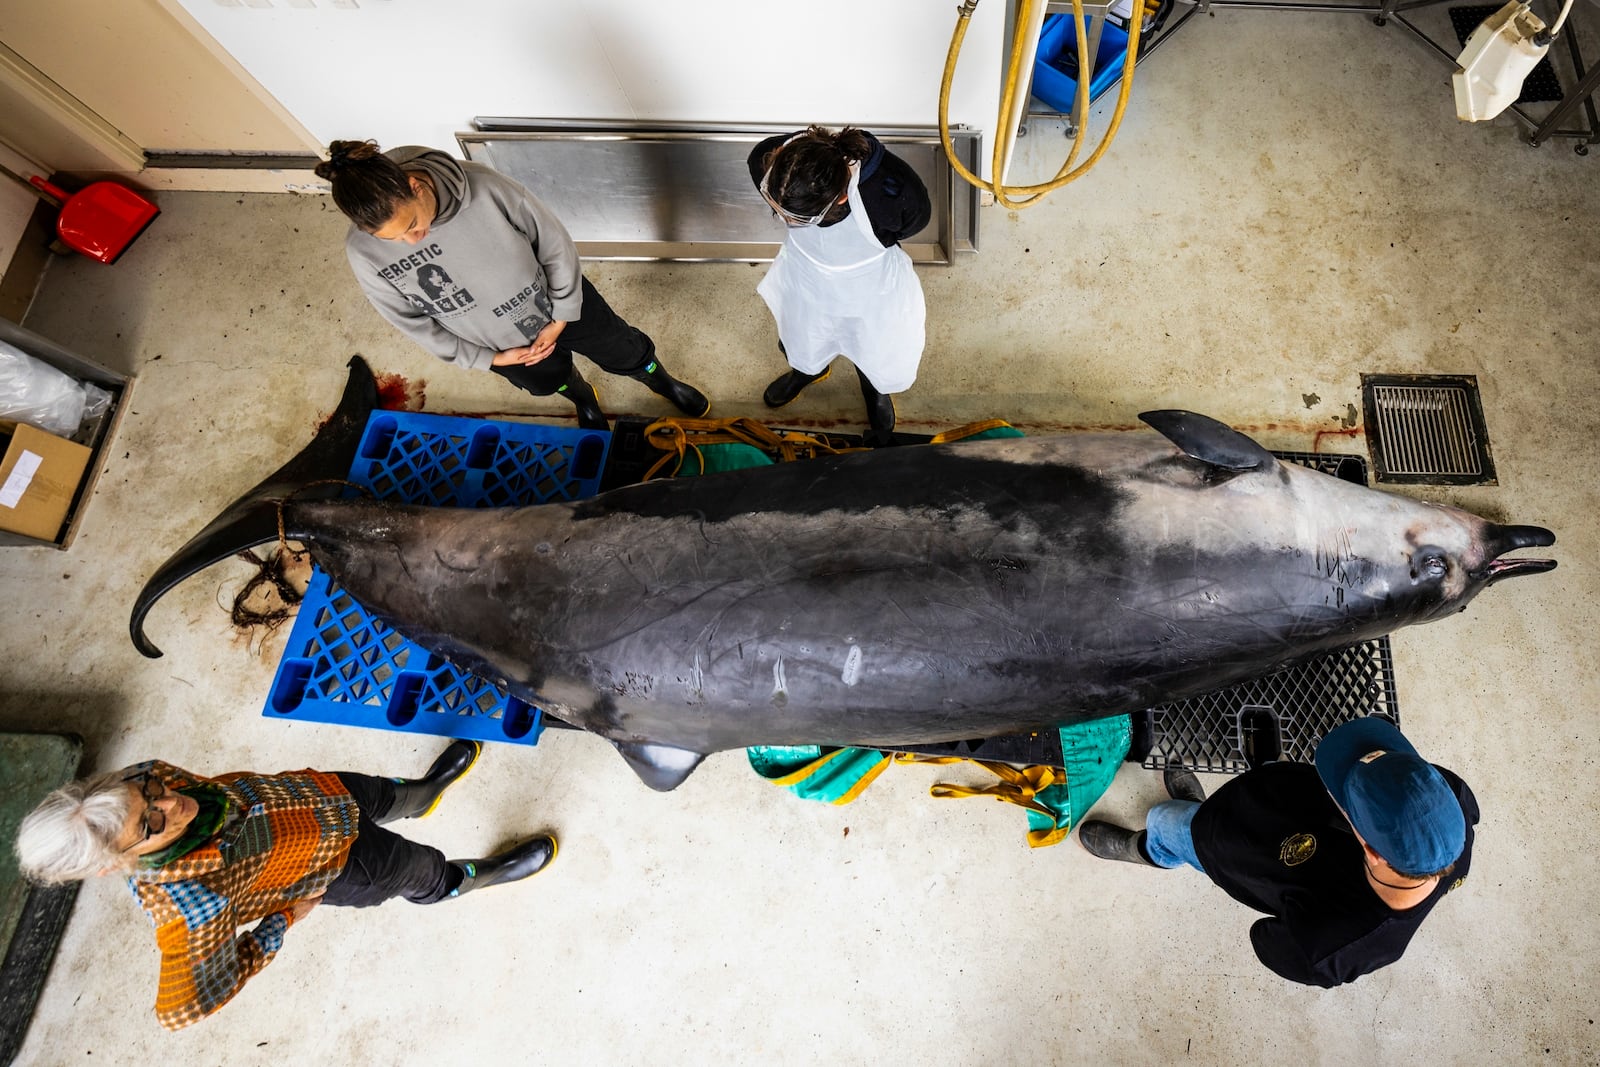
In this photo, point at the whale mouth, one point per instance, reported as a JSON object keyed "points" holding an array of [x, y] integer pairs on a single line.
{"points": [[1511, 568], [1503, 539]]}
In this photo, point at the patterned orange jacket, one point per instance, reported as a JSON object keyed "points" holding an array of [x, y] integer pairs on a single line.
{"points": [[285, 840]]}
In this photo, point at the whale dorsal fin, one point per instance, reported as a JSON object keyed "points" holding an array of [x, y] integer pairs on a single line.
{"points": [[1209, 441], [661, 767]]}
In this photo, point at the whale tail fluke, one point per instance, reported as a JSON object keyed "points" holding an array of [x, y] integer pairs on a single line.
{"points": [[253, 518]]}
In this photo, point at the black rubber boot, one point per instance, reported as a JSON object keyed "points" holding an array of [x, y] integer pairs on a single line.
{"points": [[686, 398], [789, 386], [880, 412], [1182, 784], [1110, 842], [512, 865], [416, 797], [586, 400]]}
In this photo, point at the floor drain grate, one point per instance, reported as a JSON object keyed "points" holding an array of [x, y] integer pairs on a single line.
{"points": [[1426, 429]]}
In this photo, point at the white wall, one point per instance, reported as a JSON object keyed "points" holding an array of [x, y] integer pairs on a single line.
{"points": [[142, 67], [418, 71], [16, 204]]}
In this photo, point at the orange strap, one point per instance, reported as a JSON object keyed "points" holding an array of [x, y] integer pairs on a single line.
{"points": [[968, 430], [1017, 785], [677, 437]]}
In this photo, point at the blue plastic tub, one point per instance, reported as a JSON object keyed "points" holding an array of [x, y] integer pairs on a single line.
{"points": [[1055, 65], [341, 665]]}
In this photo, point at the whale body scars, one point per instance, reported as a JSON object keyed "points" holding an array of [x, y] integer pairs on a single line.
{"points": [[908, 595]]}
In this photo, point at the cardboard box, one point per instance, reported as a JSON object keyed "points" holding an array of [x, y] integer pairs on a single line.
{"points": [[38, 479]]}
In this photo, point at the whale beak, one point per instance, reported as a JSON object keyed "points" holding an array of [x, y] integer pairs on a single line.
{"points": [[1509, 539]]}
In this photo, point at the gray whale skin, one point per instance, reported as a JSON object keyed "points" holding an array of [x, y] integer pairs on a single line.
{"points": [[900, 596]]}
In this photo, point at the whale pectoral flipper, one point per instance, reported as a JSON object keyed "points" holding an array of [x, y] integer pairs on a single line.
{"points": [[661, 767], [1209, 441]]}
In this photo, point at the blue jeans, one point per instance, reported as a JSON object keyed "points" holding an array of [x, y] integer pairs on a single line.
{"points": [[1169, 841]]}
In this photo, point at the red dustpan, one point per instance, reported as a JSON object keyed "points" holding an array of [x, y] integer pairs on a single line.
{"points": [[101, 220]]}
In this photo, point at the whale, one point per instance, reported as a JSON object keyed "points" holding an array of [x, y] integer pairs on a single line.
{"points": [[900, 596]]}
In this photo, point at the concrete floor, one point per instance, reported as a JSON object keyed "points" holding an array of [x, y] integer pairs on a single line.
{"points": [[1291, 203]]}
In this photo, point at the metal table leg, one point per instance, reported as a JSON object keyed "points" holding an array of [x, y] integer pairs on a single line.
{"points": [[1583, 94]]}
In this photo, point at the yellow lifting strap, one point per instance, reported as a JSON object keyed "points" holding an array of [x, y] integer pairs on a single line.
{"points": [[1017, 785], [677, 437], [971, 429]]}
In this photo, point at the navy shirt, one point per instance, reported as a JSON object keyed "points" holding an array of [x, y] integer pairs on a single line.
{"points": [[1273, 839]]}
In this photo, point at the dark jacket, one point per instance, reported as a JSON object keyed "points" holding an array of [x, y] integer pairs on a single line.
{"points": [[1274, 840]]}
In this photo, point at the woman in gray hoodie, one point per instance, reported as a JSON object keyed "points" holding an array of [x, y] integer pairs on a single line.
{"points": [[490, 281]]}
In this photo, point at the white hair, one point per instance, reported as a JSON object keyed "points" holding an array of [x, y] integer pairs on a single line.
{"points": [[72, 834]]}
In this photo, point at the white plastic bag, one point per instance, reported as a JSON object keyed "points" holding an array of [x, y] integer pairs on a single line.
{"points": [[34, 392]]}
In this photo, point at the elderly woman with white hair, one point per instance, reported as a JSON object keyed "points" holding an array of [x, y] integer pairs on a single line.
{"points": [[207, 856]]}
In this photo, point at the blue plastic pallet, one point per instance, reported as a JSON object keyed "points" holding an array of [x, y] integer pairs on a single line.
{"points": [[343, 666]]}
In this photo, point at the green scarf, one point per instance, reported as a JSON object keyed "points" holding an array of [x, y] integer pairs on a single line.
{"points": [[213, 802]]}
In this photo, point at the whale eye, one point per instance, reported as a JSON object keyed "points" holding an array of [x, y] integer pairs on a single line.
{"points": [[1429, 563]]}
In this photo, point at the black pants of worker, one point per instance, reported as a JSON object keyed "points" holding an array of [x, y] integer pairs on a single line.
{"points": [[382, 864], [598, 333]]}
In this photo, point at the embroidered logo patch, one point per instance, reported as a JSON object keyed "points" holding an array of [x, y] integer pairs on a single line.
{"points": [[1296, 849]]}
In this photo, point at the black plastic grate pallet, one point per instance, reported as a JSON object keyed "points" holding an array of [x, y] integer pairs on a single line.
{"points": [[1280, 715], [1283, 715]]}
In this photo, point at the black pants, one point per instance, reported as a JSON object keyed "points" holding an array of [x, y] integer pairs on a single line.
{"points": [[600, 334], [382, 864]]}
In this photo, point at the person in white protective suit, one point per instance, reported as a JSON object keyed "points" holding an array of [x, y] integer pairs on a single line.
{"points": [[841, 284]]}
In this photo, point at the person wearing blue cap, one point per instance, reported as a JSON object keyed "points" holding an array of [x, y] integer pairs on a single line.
{"points": [[1346, 858]]}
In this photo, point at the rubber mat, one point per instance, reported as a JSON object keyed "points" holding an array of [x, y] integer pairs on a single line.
{"points": [[31, 919], [1541, 83]]}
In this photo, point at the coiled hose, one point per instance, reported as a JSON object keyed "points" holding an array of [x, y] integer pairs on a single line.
{"points": [[1021, 196]]}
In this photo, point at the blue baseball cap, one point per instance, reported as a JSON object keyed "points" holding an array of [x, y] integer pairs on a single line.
{"points": [[1397, 801]]}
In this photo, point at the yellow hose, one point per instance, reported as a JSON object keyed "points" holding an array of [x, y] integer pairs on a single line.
{"points": [[1020, 196]]}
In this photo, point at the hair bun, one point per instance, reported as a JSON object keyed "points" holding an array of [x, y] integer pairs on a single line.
{"points": [[343, 154]]}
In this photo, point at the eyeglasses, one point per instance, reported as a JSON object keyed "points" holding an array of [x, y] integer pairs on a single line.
{"points": [[789, 217], [154, 819]]}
